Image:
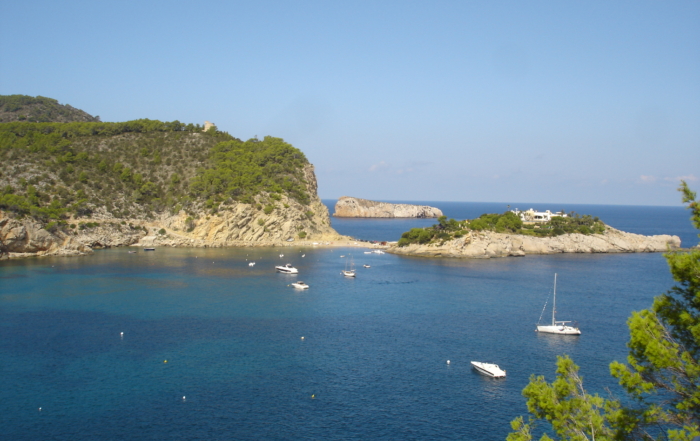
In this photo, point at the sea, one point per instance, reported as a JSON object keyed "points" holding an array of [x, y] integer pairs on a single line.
{"points": [[196, 344]]}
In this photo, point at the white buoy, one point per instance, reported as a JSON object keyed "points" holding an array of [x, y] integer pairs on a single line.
{"points": [[121, 334], [184, 398], [448, 361], [302, 337], [40, 409]]}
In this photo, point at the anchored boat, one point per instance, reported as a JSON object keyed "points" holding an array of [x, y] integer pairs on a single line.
{"points": [[287, 269], [557, 327], [489, 369]]}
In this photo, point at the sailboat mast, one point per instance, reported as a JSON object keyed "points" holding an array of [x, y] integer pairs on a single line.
{"points": [[554, 302]]}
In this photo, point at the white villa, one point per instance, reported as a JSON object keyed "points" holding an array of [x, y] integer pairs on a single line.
{"points": [[537, 216]]}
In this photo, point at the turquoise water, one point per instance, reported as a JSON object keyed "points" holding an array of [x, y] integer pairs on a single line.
{"points": [[372, 364]]}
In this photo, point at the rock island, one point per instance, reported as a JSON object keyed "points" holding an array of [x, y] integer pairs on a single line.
{"points": [[521, 233], [356, 207]]}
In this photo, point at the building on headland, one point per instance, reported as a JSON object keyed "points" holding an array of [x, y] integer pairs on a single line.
{"points": [[537, 216], [208, 125]]}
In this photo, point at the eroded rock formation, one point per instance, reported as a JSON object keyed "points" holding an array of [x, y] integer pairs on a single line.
{"points": [[355, 207], [26, 237]]}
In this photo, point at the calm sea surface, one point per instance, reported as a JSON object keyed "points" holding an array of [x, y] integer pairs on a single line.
{"points": [[373, 360]]}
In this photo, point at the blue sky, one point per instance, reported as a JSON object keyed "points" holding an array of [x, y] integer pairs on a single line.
{"points": [[560, 102]]}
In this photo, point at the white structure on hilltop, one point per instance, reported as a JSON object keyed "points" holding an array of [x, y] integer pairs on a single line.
{"points": [[537, 216], [207, 125]]}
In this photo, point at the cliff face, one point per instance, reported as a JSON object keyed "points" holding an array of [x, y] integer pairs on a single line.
{"points": [[246, 224], [23, 238], [233, 225], [490, 244], [355, 207]]}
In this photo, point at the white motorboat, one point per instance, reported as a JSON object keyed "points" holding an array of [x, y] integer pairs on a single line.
{"points": [[489, 369], [301, 285], [251, 264], [287, 269], [557, 327], [349, 270], [365, 266]]}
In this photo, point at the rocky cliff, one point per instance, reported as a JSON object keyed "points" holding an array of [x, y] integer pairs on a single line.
{"points": [[24, 238], [355, 207], [489, 244], [235, 224]]}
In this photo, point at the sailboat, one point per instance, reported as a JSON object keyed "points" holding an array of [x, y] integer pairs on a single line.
{"points": [[557, 327], [349, 267]]}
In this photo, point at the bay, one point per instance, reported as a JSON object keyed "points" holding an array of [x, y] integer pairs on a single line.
{"points": [[373, 360]]}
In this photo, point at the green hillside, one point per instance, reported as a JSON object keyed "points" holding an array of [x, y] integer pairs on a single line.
{"points": [[139, 169], [39, 109]]}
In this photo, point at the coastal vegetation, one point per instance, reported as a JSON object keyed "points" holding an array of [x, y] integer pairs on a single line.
{"points": [[508, 222], [52, 171], [661, 377]]}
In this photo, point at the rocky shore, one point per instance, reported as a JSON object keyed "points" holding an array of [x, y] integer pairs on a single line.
{"points": [[489, 244], [236, 224], [355, 207]]}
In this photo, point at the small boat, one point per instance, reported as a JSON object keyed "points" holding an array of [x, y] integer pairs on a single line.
{"points": [[149, 249], [301, 285], [366, 266], [251, 264], [557, 327], [132, 252], [287, 269], [281, 256], [368, 252], [349, 270], [378, 252], [489, 369]]}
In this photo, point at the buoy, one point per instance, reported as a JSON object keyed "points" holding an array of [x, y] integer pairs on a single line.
{"points": [[40, 409], [302, 337], [165, 361], [448, 361], [313, 396], [183, 398]]}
